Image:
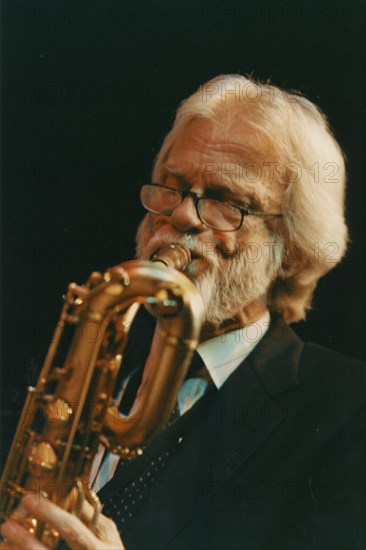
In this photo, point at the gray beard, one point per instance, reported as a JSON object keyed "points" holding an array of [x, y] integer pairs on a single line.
{"points": [[232, 285], [228, 284]]}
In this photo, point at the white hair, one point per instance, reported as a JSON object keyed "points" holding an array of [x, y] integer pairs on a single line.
{"points": [[307, 161]]}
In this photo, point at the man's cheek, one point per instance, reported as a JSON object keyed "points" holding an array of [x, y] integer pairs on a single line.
{"points": [[147, 228], [225, 244], [154, 223], [142, 236], [151, 221]]}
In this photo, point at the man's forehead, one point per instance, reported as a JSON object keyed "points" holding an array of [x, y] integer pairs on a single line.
{"points": [[232, 141], [201, 143]]}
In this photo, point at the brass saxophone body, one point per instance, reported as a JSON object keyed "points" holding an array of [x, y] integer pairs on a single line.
{"points": [[71, 410]]}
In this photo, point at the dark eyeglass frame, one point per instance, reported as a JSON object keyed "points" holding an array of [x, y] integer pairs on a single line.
{"points": [[196, 198]]}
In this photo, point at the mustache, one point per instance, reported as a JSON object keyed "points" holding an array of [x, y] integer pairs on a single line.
{"points": [[198, 249]]}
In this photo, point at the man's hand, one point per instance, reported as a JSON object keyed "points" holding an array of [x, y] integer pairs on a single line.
{"points": [[71, 528]]}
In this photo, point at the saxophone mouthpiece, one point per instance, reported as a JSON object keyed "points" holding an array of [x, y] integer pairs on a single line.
{"points": [[175, 256]]}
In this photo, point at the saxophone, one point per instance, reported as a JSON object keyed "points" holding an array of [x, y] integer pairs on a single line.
{"points": [[71, 409]]}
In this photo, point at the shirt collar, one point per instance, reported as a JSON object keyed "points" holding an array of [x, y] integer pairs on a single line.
{"points": [[223, 354]]}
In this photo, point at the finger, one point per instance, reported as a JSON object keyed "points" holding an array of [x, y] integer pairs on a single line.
{"points": [[19, 537], [70, 528], [4, 544], [86, 512], [105, 529]]}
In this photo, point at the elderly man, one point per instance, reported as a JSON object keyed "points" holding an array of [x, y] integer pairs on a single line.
{"points": [[268, 450]]}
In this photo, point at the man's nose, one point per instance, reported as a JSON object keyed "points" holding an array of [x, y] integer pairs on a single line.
{"points": [[184, 217]]}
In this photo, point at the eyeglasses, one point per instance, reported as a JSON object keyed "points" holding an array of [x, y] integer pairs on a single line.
{"points": [[217, 214]]}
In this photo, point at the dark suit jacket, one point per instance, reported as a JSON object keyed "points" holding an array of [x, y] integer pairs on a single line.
{"points": [[272, 461]]}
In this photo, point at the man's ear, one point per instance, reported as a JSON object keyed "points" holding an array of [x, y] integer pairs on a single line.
{"points": [[287, 271], [292, 266], [294, 260]]}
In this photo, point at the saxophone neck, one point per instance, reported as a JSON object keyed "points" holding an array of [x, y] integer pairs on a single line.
{"points": [[175, 256]]}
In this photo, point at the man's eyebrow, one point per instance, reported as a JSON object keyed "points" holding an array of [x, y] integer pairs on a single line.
{"points": [[173, 171], [210, 178], [236, 193], [233, 192]]}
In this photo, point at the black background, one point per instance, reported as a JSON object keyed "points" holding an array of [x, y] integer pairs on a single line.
{"points": [[89, 90]]}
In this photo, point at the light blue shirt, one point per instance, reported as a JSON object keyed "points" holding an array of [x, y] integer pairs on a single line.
{"points": [[221, 356]]}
